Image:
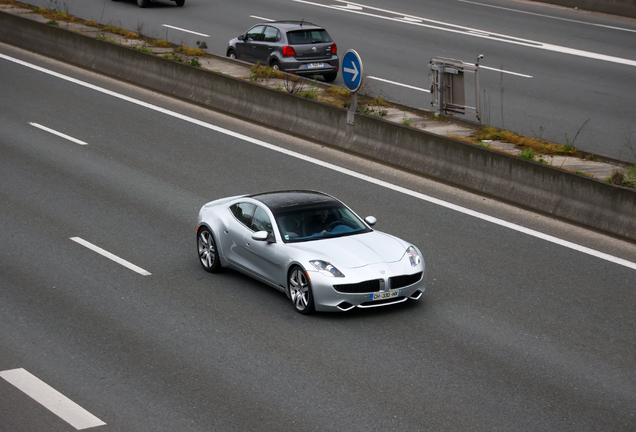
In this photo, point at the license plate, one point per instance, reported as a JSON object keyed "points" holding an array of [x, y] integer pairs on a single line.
{"points": [[385, 295], [314, 65]]}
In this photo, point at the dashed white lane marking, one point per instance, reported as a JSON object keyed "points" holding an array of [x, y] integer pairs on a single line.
{"points": [[399, 84], [261, 18], [364, 177], [51, 399], [454, 28], [110, 256], [60, 134], [349, 6], [185, 30], [550, 16], [505, 71]]}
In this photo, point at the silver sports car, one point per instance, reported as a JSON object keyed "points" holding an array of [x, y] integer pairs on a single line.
{"points": [[312, 247]]}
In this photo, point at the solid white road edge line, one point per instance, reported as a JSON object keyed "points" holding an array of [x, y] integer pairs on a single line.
{"points": [[399, 84], [549, 16], [110, 256], [60, 134], [460, 209], [51, 399], [453, 28], [187, 31]]}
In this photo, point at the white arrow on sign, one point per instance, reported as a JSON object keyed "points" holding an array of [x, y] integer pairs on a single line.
{"points": [[353, 71]]}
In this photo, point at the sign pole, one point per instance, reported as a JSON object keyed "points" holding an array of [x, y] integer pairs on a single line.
{"points": [[352, 76], [352, 109]]}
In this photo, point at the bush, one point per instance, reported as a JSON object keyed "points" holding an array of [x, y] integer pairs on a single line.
{"points": [[194, 52], [527, 154], [338, 92]]}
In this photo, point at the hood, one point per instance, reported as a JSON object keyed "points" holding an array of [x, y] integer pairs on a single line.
{"points": [[355, 250]]}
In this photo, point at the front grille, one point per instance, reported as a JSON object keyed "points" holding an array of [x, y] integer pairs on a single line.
{"points": [[359, 288], [405, 280]]}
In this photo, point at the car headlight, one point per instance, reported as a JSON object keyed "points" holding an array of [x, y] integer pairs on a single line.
{"points": [[326, 269], [414, 257]]}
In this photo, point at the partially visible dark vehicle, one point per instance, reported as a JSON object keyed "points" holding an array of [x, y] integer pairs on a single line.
{"points": [[297, 47], [144, 3]]}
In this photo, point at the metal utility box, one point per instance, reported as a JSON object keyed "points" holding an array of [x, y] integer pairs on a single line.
{"points": [[447, 85]]}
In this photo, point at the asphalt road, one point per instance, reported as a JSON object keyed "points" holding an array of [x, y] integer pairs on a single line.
{"points": [[515, 332], [568, 77]]}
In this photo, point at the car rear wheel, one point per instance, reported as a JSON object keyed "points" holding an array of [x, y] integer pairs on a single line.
{"points": [[231, 54], [300, 291], [180, 2], [330, 77], [206, 246], [142, 3], [275, 65]]}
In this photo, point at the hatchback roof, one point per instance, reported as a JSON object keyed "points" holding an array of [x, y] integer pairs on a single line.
{"points": [[293, 24]]}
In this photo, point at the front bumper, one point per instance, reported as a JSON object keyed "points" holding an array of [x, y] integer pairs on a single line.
{"points": [[328, 299]]}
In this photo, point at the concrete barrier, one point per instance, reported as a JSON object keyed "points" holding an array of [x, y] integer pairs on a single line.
{"points": [[615, 7], [567, 195]]}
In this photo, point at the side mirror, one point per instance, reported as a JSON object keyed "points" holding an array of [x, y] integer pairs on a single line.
{"points": [[264, 236], [241, 37], [370, 220]]}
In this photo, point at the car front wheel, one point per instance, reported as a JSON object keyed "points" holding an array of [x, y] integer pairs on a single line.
{"points": [[142, 3], [180, 2], [300, 291], [231, 54], [206, 247]]}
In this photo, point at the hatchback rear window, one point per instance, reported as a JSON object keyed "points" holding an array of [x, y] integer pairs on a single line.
{"points": [[299, 37]]}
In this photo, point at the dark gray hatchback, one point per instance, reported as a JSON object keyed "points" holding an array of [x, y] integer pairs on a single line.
{"points": [[297, 47]]}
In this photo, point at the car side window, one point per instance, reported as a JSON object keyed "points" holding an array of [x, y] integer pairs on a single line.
{"points": [[243, 212], [255, 33], [260, 221], [271, 34]]}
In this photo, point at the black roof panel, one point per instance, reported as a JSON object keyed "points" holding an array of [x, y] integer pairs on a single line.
{"points": [[283, 201]]}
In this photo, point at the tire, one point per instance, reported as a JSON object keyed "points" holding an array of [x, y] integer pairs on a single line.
{"points": [[275, 65], [142, 3], [207, 251], [232, 54], [330, 77], [299, 290], [180, 2]]}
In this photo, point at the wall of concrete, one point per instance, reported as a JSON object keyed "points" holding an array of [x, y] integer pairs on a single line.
{"points": [[560, 193], [616, 7]]}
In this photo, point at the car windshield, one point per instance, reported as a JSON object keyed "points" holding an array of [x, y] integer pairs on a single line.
{"points": [[299, 37], [318, 223]]}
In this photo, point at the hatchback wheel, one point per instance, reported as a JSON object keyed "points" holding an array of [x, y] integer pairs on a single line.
{"points": [[206, 247], [180, 2], [330, 77], [275, 65], [300, 291], [142, 3], [231, 54]]}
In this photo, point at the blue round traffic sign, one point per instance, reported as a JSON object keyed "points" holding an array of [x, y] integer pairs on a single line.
{"points": [[352, 70]]}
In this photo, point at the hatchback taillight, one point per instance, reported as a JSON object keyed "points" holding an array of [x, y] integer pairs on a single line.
{"points": [[288, 51], [334, 49]]}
